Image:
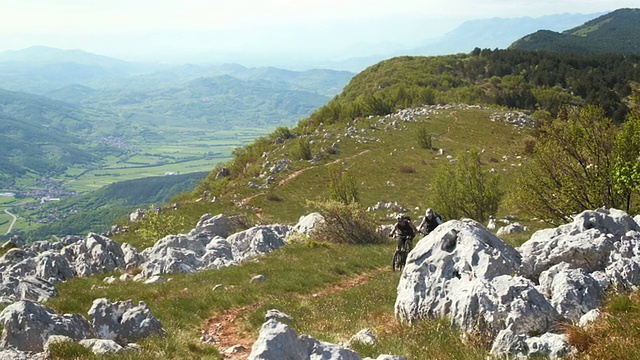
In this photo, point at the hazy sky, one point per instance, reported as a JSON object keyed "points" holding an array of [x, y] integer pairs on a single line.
{"points": [[169, 30]]}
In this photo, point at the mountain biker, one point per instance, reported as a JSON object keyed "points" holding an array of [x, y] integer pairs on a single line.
{"points": [[405, 230], [430, 222]]}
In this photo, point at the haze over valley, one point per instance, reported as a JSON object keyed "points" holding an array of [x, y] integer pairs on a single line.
{"points": [[77, 121]]}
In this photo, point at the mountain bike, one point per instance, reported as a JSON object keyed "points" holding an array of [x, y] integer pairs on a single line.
{"points": [[400, 256]]}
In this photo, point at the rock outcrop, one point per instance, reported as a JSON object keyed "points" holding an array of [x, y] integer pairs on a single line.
{"points": [[123, 322], [27, 326], [465, 273]]}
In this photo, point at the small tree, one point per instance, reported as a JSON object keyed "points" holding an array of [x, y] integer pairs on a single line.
{"points": [[157, 225], [424, 138], [626, 169], [343, 187], [464, 189], [282, 132], [302, 149], [571, 167]]}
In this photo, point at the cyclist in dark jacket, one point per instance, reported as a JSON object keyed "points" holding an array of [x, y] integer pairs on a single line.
{"points": [[405, 229], [430, 222]]}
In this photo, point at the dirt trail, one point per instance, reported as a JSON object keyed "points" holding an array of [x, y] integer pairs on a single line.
{"points": [[226, 330], [294, 175], [455, 119]]}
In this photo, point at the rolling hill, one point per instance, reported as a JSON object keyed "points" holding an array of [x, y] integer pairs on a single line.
{"points": [[42, 136], [612, 33], [65, 107]]}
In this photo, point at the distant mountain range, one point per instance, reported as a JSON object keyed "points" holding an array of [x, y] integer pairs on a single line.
{"points": [[494, 33], [483, 33], [616, 33]]}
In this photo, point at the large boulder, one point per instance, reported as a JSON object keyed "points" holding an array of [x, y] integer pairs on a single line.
{"points": [[257, 241], [511, 345], [213, 225], [307, 223], [53, 267], [27, 326], [278, 341], [170, 261], [586, 242], [218, 254], [571, 291], [195, 251], [448, 265], [132, 258], [122, 321], [463, 272], [96, 254], [13, 354], [13, 257], [14, 289]]}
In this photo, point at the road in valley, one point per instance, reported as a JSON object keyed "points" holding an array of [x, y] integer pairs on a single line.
{"points": [[12, 222]]}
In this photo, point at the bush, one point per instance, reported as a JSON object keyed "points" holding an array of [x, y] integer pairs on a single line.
{"points": [[345, 224], [464, 189], [406, 169], [343, 187], [282, 132], [302, 149], [424, 138], [529, 145], [157, 225]]}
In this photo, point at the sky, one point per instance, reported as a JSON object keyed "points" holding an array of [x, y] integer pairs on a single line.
{"points": [[178, 30]]}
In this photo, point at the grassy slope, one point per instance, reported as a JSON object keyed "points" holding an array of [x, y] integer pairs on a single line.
{"points": [[185, 303], [332, 291], [393, 168]]}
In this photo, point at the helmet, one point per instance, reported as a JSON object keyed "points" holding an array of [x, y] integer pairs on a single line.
{"points": [[428, 212]]}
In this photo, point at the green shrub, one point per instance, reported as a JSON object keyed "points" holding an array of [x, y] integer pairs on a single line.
{"points": [[302, 149], [406, 169], [282, 132], [69, 350], [345, 224], [343, 187], [464, 189], [157, 225], [424, 138]]}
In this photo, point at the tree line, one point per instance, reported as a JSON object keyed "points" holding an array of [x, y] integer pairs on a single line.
{"points": [[540, 82]]}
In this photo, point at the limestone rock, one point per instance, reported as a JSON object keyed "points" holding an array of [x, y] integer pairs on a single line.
{"points": [[214, 225], [123, 321], [27, 326], [306, 224]]}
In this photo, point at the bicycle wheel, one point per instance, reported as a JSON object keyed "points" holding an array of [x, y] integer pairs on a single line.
{"points": [[397, 261], [403, 259]]}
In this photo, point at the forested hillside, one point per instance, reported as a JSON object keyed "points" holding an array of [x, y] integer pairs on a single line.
{"points": [[527, 80], [613, 33]]}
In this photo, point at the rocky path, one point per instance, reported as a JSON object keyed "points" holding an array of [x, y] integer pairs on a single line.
{"points": [[227, 330]]}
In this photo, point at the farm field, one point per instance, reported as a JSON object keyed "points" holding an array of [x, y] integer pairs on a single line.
{"points": [[157, 158]]}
